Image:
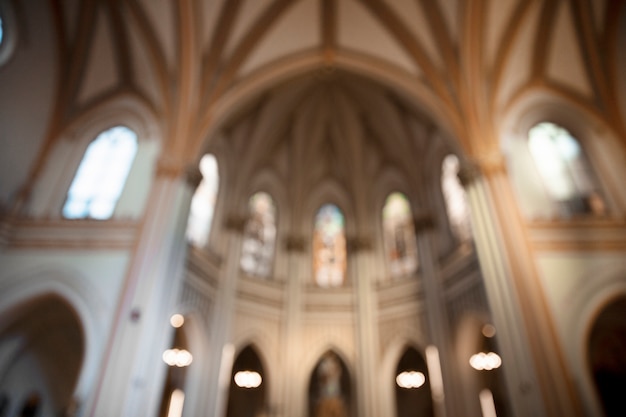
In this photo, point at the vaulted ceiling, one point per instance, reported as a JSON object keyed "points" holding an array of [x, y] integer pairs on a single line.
{"points": [[464, 63]]}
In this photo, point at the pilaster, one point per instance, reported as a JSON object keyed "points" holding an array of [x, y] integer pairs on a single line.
{"points": [[536, 376], [222, 355], [132, 369], [435, 307], [368, 402]]}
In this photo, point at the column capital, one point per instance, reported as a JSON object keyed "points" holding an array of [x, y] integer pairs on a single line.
{"points": [[193, 175], [168, 167]]}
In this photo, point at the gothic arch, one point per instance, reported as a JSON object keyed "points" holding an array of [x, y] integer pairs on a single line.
{"points": [[83, 299]]}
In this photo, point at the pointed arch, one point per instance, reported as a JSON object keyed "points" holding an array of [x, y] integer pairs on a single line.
{"points": [[330, 390], [101, 175], [248, 394]]}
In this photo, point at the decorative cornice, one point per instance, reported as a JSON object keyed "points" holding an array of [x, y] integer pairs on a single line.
{"points": [[193, 175], [468, 173]]}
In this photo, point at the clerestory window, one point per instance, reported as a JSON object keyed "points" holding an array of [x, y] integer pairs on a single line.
{"points": [[101, 175], [329, 247]]}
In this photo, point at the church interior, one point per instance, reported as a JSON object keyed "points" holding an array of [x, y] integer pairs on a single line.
{"points": [[312, 208]]}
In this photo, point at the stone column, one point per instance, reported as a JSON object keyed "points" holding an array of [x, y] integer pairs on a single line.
{"points": [[221, 350], [532, 361], [360, 250], [294, 405], [132, 369], [436, 310]]}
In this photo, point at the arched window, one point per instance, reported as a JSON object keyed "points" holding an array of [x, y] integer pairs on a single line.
{"points": [[564, 169], [399, 236], [329, 247], [257, 251], [101, 175], [203, 202], [454, 195]]}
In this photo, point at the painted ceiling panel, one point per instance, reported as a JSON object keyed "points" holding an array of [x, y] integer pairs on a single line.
{"points": [[518, 67], [450, 11], [71, 9], [498, 18], [100, 73], [210, 13], [161, 14], [621, 63], [565, 63], [599, 10], [143, 69], [296, 30], [412, 14], [249, 11], [360, 31]]}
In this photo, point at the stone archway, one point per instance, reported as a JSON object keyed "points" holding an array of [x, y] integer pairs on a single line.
{"points": [[42, 348], [607, 357]]}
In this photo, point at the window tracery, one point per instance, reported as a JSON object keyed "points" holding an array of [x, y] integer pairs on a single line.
{"points": [[259, 236], [203, 202], [329, 247], [101, 175], [457, 207], [399, 236], [564, 170]]}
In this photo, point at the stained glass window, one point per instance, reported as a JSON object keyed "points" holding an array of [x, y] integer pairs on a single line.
{"points": [[563, 168], [101, 175], [259, 236], [1, 30], [399, 236], [203, 202], [329, 247], [457, 206]]}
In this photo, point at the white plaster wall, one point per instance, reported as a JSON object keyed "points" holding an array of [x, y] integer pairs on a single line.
{"points": [[90, 281], [577, 286]]}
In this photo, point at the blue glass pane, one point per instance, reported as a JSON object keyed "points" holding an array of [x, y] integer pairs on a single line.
{"points": [[101, 174]]}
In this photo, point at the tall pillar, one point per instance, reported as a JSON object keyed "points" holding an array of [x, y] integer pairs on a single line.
{"points": [[436, 313], [292, 330], [368, 404], [536, 377], [132, 368], [221, 359]]}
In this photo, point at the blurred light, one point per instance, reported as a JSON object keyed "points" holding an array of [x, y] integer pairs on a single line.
{"points": [[248, 379], [410, 379], [485, 361], [489, 330], [434, 372], [177, 357], [176, 404], [177, 320], [486, 403]]}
